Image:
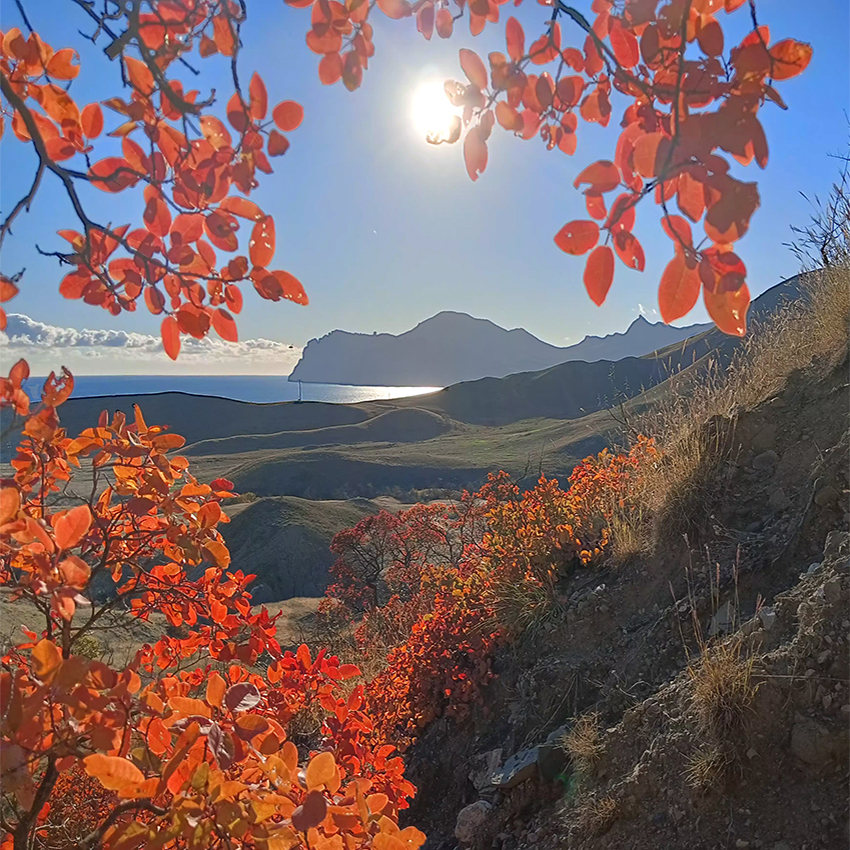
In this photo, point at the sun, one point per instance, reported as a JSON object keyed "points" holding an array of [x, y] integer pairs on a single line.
{"points": [[431, 111]]}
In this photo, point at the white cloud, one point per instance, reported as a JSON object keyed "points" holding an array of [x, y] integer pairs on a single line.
{"points": [[111, 352], [650, 313]]}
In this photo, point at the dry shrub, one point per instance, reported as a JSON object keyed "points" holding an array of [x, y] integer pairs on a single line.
{"points": [[596, 815], [693, 421], [583, 744], [722, 696]]}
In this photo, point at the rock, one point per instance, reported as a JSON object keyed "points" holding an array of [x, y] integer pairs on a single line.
{"points": [[811, 742], [765, 460], [764, 439], [518, 768], [470, 819], [755, 527], [482, 768], [826, 496], [723, 620], [767, 615], [782, 845], [741, 844], [552, 760], [778, 499], [837, 545]]}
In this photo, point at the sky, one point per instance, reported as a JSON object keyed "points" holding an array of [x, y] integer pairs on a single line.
{"points": [[385, 230]]}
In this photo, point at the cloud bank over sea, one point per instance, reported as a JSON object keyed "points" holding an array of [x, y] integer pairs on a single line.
{"points": [[115, 352]]}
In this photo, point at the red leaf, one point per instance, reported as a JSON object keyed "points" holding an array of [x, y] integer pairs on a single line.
{"points": [[425, 20], [395, 9], [651, 154], [261, 246], [445, 23], [515, 38], [577, 237], [8, 290], [603, 176], [91, 119], [629, 250], [278, 144], [288, 114], [259, 98], [330, 68], [170, 332], [679, 289], [242, 696], [710, 38], [599, 274], [475, 152], [291, 288], [241, 207], [311, 812], [224, 325], [624, 45], [678, 230], [474, 68], [140, 75]]}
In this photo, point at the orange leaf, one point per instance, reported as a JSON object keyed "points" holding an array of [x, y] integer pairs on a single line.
{"points": [[261, 245], [140, 75], [728, 310], [577, 237], [603, 176], [320, 771], [61, 66], [474, 68], [790, 58], [259, 98], [112, 772], [8, 290], [599, 274], [242, 207], [46, 660], [10, 503], [170, 332], [288, 115], [92, 120], [75, 572], [215, 132], [112, 174], [216, 688], [679, 288], [70, 528]]}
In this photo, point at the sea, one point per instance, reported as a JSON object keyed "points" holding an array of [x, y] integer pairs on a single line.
{"points": [[254, 388]]}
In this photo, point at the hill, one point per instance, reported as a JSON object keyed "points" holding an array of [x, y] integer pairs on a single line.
{"points": [[453, 347]]}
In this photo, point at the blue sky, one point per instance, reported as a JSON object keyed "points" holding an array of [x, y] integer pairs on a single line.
{"points": [[385, 230]]}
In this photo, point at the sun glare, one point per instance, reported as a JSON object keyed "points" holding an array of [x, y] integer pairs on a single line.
{"points": [[431, 111]]}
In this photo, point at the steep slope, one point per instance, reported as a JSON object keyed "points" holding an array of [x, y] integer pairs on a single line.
{"points": [[453, 347]]}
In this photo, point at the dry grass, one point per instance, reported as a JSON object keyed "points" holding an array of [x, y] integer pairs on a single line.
{"points": [[722, 691], [694, 423], [584, 745], [596, 815], [707, 767], [523, 606]]}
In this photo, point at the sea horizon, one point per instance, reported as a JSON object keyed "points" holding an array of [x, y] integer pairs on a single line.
{"points": [[257, 389]]}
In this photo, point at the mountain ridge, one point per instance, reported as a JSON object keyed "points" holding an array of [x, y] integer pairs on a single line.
{"points": [[451, 347]]}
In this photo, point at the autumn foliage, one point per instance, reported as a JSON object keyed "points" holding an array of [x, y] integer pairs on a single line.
{"points": [[690, 101], [187, 745], [426, 586], [200, 238]]}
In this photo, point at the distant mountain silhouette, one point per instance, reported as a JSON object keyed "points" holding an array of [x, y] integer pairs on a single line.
{"points": [[453, 347]]}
